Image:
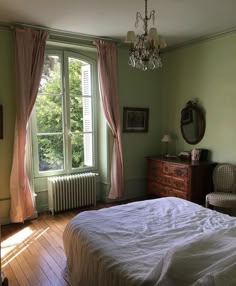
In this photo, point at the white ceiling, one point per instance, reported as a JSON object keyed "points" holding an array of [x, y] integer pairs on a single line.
{"points": [[178, 21]]}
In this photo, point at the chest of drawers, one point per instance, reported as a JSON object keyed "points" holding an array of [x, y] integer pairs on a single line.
{"points": [[184, 179]]}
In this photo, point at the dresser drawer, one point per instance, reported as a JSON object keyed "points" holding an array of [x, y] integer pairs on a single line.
{"points": [[157, 189], [175, 170], [163, 191], [154, 168], [174, 182]]}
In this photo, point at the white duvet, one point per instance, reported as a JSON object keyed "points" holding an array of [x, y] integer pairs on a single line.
{"points": [[161, 242]]}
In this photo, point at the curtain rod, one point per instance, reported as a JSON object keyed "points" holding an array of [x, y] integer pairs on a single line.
{"points": [[58, 33]]}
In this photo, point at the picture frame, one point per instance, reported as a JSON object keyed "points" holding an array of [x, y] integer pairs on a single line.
{"points": [[1, 121], [187, 116], [135, 119]]}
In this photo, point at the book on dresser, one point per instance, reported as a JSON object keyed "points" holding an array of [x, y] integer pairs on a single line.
{"points": [[190, 180]]}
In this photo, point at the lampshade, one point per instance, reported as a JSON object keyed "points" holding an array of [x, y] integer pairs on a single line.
{"points": [[130, 37], [166, 138], [153, 34], [160, 42], [163, 43]]}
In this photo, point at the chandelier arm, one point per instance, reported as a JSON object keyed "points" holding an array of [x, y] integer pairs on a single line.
{"points": [[138, 17], [152, 16]]}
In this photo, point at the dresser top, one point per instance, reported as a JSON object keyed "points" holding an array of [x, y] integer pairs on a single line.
{"points": [[177, 160]]}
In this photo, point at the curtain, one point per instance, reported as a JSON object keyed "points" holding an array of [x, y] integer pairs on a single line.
{"points": [[29, 59], [108, 86]]}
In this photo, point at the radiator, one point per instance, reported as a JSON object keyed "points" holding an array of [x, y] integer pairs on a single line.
{"points": [[73, 191]]}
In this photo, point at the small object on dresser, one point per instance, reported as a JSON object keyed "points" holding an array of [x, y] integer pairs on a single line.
{"points": [[195, 154], [185, 155], [170, 156], [204, 154]]}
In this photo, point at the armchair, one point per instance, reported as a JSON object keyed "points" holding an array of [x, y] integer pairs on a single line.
{"points": [[224, 180]]}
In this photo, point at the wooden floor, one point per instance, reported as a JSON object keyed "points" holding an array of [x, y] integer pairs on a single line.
{"points": [[33, 254]]}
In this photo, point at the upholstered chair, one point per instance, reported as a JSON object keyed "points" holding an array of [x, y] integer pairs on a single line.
{"points": [[224, 180]]}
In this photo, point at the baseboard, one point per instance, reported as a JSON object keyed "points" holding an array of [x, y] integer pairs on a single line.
{"points": [[43, 208], [134, 189], [5, 211], [42, 199], [6, 220]]}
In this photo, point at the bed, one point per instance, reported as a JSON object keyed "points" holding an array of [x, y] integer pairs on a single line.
{"points": [[167, 241]]}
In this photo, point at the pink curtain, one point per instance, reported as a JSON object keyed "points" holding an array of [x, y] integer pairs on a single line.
{"points": [[29, 59], [108, 86]]}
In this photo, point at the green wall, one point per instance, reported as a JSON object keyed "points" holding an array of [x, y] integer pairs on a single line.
{"points": [[139, 89], [207, 72], [7, 99]]}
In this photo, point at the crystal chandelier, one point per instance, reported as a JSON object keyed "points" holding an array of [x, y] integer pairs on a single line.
{"points": [[144, 52]]}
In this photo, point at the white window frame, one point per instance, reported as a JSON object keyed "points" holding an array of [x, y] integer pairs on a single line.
{"points": [[64, 54]]}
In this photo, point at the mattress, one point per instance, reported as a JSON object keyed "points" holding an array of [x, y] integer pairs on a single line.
{"points": [[167, 241]]}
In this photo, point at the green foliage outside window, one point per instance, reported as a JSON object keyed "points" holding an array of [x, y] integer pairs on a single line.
{"points": [[50, 113]]}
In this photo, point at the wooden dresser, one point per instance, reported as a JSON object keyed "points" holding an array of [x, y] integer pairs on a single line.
{"points": [[178, 178]]}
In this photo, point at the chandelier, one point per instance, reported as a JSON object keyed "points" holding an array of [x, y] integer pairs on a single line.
{"points": [[144, 52]]}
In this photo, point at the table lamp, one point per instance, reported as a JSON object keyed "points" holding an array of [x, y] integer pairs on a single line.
{"points": [[166, 139]]}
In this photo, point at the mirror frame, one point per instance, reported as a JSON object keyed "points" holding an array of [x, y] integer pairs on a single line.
{"points": [[193, 106]]}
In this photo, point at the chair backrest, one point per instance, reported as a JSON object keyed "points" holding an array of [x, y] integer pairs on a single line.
{"points": [[224, 178]]}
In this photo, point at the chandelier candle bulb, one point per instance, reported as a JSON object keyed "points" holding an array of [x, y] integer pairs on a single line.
{"points": [[144, 52]]}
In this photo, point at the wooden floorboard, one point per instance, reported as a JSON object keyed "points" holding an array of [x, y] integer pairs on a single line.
{"points": [[33, 254], [11, 276]]}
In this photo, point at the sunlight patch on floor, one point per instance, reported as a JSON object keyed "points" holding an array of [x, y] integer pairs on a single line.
{"points": [[17, 243]]}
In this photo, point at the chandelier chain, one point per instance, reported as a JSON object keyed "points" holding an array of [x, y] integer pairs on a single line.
{"points": [[146, 19]]}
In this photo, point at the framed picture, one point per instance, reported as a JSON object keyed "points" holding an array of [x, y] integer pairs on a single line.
{"points": [[135, 119], [1, 122], [187, 116]]}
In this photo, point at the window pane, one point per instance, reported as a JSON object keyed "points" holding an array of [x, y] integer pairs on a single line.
{"points": [[61, 129], [82, 150], [76, 114], [81, 114], [51, 77], [77, 150], [49, 113], [50, 152], [75, 76]]}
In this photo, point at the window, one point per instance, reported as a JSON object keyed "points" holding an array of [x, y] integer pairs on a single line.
{"points": [[63, 117]]}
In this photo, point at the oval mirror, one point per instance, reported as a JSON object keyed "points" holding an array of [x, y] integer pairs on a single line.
{"points": [[192, 123]]}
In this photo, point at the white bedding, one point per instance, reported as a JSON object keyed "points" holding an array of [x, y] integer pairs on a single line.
{"points": [[159, 242]]}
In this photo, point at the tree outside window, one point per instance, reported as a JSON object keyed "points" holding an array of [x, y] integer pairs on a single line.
{"points": [[63, 115]]}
